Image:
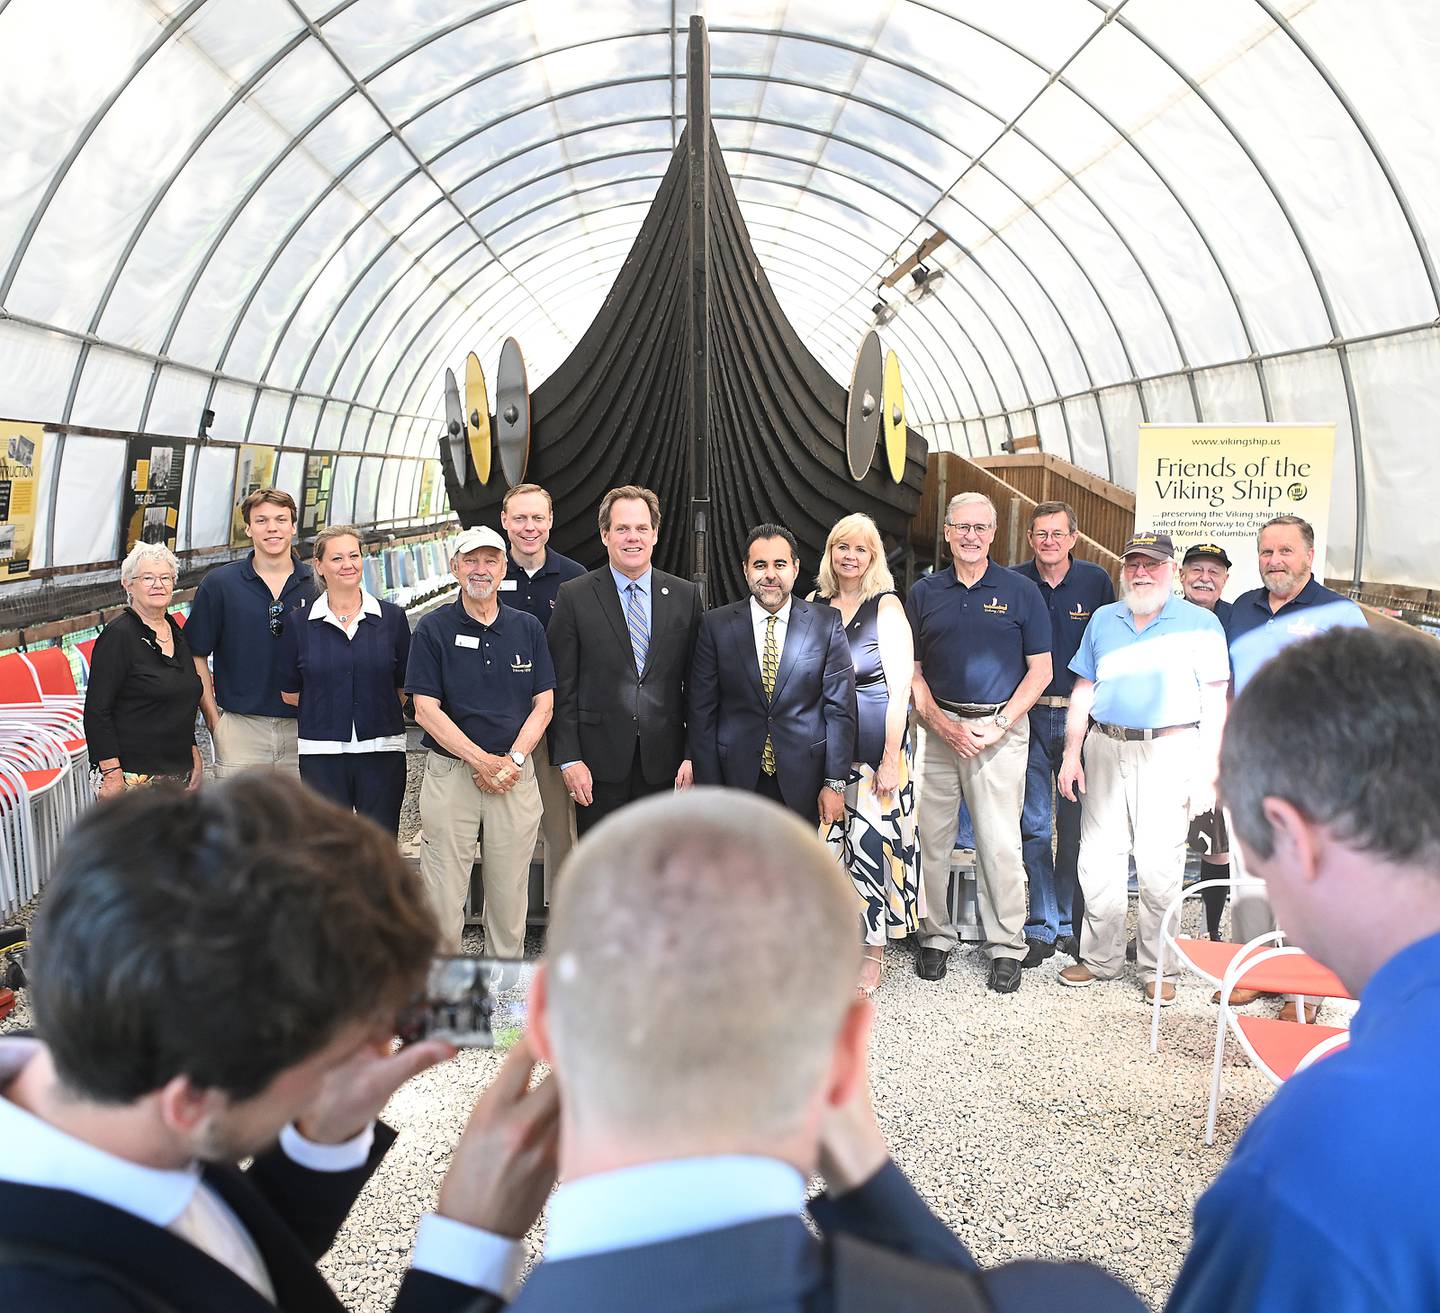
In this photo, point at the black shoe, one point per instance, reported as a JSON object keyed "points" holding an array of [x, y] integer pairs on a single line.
{"points": [[1132, 952], [932, 963], [1004, 977], [1039, 951], [1069, 944]]}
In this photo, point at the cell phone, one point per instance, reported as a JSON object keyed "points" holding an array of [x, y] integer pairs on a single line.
{"points": [[470, 1002]]}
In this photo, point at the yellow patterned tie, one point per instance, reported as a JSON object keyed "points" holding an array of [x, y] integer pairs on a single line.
{"points": [[769, 665]]}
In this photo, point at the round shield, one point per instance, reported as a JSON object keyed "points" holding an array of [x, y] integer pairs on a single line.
{"points": [[477, 417], [894, 408], [455, 427], [862, 415], [512, 413]]}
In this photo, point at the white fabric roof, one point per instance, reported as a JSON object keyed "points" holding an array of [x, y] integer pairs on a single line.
{"points": [[299, 213]]}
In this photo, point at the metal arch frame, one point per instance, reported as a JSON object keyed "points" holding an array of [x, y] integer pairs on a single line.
{"points": [[1422, 248], [385, 295], [1321, 288]]}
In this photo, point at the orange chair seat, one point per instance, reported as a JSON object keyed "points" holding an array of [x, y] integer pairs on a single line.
{"points": [[36, 781], [1295, 973], [1282, 1045]]}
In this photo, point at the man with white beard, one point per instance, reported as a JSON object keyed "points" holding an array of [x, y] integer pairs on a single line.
{"points": [[1147, 709]]}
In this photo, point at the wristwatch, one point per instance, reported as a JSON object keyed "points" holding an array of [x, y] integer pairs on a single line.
{"points": [[1002, 720], [837, 785], [518, 758]]}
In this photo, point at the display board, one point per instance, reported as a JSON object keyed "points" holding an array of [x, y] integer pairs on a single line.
{"points": [[150, 500], [1219, 483], [429, 471], [315, 493], [21, 448], [254, 469]]}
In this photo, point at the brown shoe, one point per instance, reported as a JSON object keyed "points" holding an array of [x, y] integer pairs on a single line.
{"points": [[1167, 993], [1239, 998], [1078, 976], [1287, 1012]]}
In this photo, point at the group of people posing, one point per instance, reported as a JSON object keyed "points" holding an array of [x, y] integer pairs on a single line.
{"points": [[1080, 731]]}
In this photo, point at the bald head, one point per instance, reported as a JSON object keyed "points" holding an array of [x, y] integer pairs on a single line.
{"points": [[702, 957]]}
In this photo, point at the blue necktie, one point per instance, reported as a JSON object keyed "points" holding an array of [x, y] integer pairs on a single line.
{"points": [[639, 630]]}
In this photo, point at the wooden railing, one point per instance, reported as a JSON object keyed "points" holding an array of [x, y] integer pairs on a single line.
{"points": [[1105, 510], [947, 474]]}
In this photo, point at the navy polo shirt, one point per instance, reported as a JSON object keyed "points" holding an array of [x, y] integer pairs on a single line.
{"points": [[484, 675], [972, 642], [1085, 588], [537, 595], [230, 619], [347, 684], [1222, 613], [1256, 633]]}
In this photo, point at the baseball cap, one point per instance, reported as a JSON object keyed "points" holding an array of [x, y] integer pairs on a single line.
{"points": [[473, 539], [1157, 546], [1206, 551]]}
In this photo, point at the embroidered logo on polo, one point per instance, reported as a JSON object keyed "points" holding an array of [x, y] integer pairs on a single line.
{"points": [[996, 607], [1078, 612], [520, 667]]}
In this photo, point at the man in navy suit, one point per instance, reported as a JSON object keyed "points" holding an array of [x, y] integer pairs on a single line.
{"points": [[772, 689], [211, 971], [708, 1067]]}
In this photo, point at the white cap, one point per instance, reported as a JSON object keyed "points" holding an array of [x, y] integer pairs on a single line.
{"points": [[474, 538]]}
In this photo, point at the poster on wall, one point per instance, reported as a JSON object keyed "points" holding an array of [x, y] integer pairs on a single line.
{"points": [[150, 498], [254, 469], [428, 471], [315, 495], [20, 451], [1218, 483]]}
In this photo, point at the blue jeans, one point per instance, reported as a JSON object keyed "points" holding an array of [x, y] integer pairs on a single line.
{"points": [[1054, 886]]}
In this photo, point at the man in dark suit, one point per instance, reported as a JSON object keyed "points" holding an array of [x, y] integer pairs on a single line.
{"points": [[772, 689], [621, 639], [709, 1068], [211, 971]]}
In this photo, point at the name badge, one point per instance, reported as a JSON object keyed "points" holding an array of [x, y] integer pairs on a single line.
{"points": [[466, 640], [509, 585]]}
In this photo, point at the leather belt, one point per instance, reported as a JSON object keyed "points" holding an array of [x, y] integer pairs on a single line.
{"points": [[1123, 734], [970, 710], [1052, 702]]}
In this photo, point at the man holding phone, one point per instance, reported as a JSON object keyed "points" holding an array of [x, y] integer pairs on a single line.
{"points": [[214, 971]]}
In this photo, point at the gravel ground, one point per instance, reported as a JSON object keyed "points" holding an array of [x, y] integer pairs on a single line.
{"points": [[1036, 1124]]}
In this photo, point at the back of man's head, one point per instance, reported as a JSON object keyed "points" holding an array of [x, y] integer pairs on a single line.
{"points": [[1342, 726], [703, 952], [223, 935]]}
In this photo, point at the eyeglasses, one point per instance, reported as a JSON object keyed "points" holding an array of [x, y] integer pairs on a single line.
{"points": [[1050, 536], [150, 580], [976, 529], [277, 625]]}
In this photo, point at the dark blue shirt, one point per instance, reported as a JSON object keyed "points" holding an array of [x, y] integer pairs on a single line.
{"points": [[1327, 1202], [1085, 588], [347, 685], [972, 642], [1256, 633], [230, 618], [1222, 612], [484, 675], [537, 595]]}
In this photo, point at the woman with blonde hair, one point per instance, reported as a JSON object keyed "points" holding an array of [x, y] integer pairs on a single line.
{"points": [[875, 839], [144, 690]]}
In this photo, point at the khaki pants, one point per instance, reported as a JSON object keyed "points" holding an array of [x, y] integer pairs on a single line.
{"points": [[1137, 799], [993, 784], [245, 742], [452, 813], [558, 824]]}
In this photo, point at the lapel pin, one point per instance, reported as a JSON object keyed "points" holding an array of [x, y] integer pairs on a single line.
{"points": [[664, 592]]}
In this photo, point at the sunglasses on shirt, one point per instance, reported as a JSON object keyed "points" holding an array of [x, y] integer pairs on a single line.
{"points": [[276, 611]]}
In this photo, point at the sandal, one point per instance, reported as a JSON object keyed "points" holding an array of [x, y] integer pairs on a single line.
{"points": [[876, 954]]}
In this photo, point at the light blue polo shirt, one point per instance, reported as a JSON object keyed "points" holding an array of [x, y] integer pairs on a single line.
{"points": [[1151, 678]]}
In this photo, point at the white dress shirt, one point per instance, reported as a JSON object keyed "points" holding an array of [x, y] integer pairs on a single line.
{"points": [[39, 1154], [661, 1201], [758, 616]]}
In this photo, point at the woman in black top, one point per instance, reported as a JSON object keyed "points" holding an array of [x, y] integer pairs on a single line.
{"points": [[875, 840], [143, 692]]}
